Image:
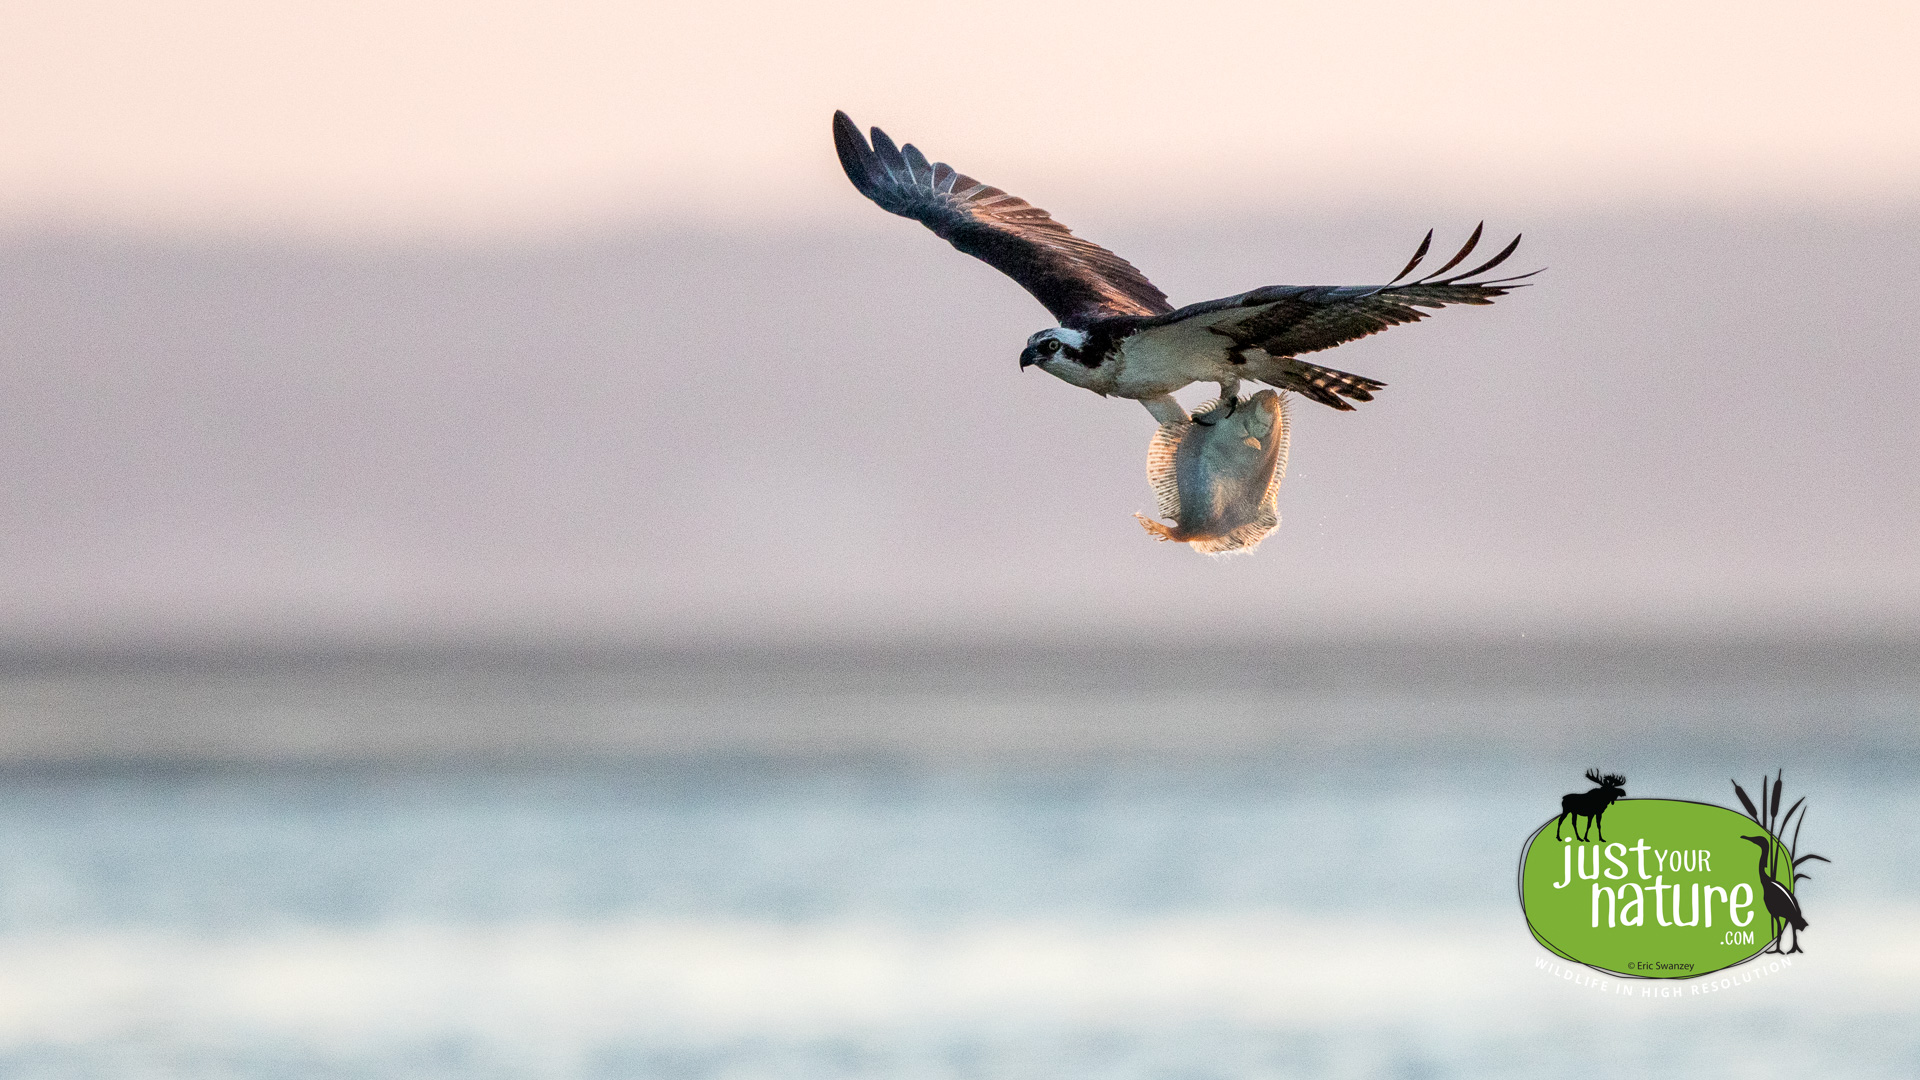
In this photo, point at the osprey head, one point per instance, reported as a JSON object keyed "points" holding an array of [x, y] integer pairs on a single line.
{"points": [[1051, 348]]}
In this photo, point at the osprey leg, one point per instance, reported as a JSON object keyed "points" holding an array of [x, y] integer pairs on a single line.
{"points": [[1165, 410], [1229, 401]]}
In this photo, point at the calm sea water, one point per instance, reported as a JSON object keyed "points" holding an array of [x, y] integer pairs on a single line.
{"points": [[1342, 912]]}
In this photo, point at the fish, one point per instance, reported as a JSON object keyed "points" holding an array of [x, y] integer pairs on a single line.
{"points": [[1219, 481]]}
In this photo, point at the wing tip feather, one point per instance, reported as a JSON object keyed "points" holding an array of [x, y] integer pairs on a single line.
{"points": [[856, 157], [1418, 254], [1505, 253], [1458, 256]]}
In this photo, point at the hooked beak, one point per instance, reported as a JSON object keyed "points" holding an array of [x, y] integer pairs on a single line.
{"points": [[1028, 358]]}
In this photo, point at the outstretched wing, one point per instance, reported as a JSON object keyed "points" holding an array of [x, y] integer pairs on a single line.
{"points": [[1287, 320], [1076, 280]]}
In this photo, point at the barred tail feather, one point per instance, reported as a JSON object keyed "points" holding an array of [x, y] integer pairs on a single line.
{"points": [[1323, 384]]}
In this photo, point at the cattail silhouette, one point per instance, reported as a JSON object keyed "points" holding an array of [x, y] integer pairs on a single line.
{"points": [[1782, 905]]}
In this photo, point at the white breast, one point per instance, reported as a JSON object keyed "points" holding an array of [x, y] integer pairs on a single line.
{"points": [[1166, 358]]}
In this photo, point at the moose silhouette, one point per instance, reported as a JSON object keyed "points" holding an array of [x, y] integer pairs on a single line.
{"points": [[1591, 804]]}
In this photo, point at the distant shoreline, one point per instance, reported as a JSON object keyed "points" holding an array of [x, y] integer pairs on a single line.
{"points": [[961, 701]]}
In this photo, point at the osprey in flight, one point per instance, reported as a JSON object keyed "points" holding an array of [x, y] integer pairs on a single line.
{"points": [[1118, 335]]}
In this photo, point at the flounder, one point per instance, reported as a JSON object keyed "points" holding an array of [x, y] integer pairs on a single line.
{"points": [[1220, 481]]}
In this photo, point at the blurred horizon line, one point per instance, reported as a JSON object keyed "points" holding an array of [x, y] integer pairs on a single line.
{"points": [[944, 705], [1878, 653], [855, 221]]}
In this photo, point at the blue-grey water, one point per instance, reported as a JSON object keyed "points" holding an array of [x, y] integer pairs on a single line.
{"points": [[1283, 909]]}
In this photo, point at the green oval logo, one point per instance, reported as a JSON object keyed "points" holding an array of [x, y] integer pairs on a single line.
{"points": [[1676, 889]]}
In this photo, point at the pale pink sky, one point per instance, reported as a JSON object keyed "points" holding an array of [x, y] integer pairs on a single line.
{"points": [[371, 116]]}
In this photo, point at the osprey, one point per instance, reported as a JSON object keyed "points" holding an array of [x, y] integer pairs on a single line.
{"points": [[1118, 335]]}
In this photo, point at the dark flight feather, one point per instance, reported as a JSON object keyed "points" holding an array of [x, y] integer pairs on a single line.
{"points": [[1461, 255], [1512, 246], [1287, 320], [1076, 280], [1418, 254]]}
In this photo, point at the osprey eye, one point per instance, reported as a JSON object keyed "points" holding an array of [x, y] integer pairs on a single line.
{"points": [[1051, 345]]}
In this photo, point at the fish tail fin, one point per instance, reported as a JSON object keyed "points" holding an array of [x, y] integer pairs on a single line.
{"points": [[1243, 539], [1232, 543], [1159, 531]]}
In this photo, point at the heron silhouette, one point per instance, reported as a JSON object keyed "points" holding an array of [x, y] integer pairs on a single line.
{"points": [[1781, 906]]}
